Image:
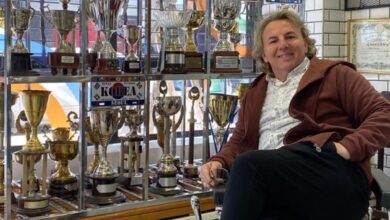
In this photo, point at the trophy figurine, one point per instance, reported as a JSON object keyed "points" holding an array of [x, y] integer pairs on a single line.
{"points": [[171, 21], [20, 56], [105, 121], [224, 58], [190, 170], [131, 145], [194, 59], [132, 36], [107, 18], [221, 107]]}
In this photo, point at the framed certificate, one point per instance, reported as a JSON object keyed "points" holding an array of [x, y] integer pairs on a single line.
{"points": [[369, 45]]}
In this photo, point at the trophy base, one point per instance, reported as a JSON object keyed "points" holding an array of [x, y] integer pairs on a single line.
{"points": [[134, 180], [225, 62], [131, 66], [64, 63], [107, 66], [174, 63], [118, 197], [66, 189], [92, 61], [194, 61], [33, 206], [165, 191], [21, 64], [103, 186], [190, 171]]}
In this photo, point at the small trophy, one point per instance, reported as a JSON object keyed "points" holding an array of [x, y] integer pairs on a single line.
{"points": [[20, 56], [64, 60], [225, 58], [132, 36], [107, 18], [190, 170], [105, 121], [194, 59], [221, 107], [171, 21]]}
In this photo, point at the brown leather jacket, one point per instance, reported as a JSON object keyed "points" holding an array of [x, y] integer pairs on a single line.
{"points": [[333, 103]]}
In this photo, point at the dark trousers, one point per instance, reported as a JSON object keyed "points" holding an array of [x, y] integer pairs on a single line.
{"points": [[295, 182]]}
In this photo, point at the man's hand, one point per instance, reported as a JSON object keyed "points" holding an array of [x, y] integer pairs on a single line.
{"points": [[208, 174], [342, 151]]}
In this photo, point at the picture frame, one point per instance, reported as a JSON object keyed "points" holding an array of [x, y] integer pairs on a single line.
{"points": [[369, 45]]}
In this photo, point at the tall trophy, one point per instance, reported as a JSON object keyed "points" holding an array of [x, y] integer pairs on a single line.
{"points": [[64, 59], [190, 170], [193, 59], [132, 35], [20, 56], [171, 21], [222, 108], [97, 46], [166, 183], [105, 121], [224, 58], [107, 18], [131, 145], [32, 201]]}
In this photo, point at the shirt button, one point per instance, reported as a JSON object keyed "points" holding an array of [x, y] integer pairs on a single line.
{"points": [[318, 149]]}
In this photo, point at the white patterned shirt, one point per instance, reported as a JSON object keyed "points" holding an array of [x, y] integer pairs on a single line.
{"points": [[275, 120]]}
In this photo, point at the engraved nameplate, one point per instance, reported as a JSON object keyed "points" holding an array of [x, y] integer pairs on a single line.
{"points": [[174, 58], [226, 62], [36, 204], [67, 59], [133, 65], [106, 188]]}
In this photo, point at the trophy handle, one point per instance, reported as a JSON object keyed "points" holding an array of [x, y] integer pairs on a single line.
{"points": [[45, 130], [176, 125], [32, 11], [122, 117], [74, 125], [26, 129], [155, 118], [44, 16]]}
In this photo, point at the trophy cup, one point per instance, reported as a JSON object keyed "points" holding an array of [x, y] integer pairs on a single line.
{"points": [[132, 35], [190, 170], [64, 60], [20, 56], [97, 46], [131, 145], [224, 58], [171, 21], [193, 59], [221, 107], [105, 121], [107, 17]]}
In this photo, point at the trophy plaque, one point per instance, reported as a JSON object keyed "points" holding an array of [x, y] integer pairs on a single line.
{"points": [[193, 59], [174, 59], [221, 107], [20, 55], [64, 60], [107, 18], [132, 36], [224, 58], [105, 121]]}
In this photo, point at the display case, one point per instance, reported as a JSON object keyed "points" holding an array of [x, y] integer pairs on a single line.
{"points": [[149, 91]]}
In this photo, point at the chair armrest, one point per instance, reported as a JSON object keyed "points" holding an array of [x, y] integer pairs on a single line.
{"points": [[381, 187]]}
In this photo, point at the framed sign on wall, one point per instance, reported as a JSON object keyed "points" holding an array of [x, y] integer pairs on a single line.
{"points": [[369, 45]]}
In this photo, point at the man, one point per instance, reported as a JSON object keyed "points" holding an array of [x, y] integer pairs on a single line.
{"points": [[306, 132]]}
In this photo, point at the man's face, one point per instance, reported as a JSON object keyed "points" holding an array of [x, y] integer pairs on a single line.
{"points": [[284, 46]]}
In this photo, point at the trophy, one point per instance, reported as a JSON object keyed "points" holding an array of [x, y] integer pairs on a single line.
{"points": [[171, 21], [222, 108], [105, 121], [194, 59], [167, 106], [97, 46], [131, 146], [132, 35], [225, 58], [190, 170], [20, 56], [107, 17]]}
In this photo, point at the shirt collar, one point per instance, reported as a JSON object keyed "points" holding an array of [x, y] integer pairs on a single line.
{"points": [[299, 70]]}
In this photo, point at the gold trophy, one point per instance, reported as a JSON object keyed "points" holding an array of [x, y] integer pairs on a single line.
{"points": [[225, 58], [31, 201], [105, 121], [241, 90], [190, 170], [64, 60], [132, 35], [221, 107], [194, 59], [131, 145]]}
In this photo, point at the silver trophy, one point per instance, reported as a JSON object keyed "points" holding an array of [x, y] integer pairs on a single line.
{"points": [[64, 21], [20, 20], [171, 21], [132, 35]]}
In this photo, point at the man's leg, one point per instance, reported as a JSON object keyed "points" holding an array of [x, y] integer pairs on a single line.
{"points": [[297, 179]]}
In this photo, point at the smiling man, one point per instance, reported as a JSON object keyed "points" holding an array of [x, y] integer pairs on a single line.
{"points": [[306, 132]]}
